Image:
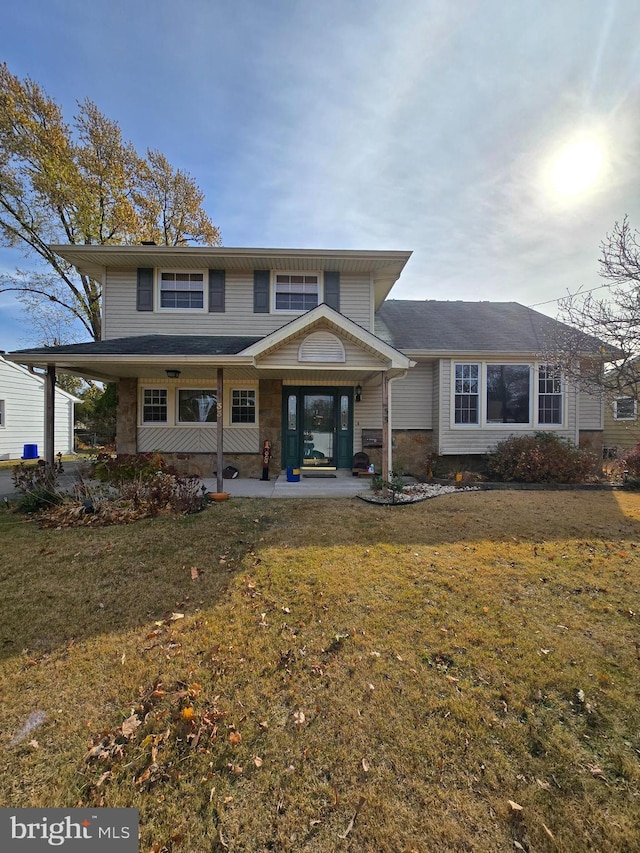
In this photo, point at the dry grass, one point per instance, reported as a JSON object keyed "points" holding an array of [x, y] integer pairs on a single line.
{"points": [[417, 667]]}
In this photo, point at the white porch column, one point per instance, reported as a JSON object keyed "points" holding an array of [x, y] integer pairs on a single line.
{"points": [[219, 430], [386, 429]]}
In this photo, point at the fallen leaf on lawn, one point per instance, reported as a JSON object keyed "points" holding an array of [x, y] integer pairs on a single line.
{"points": [[236, 769], [175, 616], [257, 761], [548, 831], [353, 819], [516, 807], [299, 718], [34, 744], [544, 785], [365, 765], [235, 738], [195, 574], [130, 725], [596, 772], [187, 713]]}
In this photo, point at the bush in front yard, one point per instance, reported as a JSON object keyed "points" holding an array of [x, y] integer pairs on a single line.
{"points": [[540, 458], [631, 465], [127, 467]]}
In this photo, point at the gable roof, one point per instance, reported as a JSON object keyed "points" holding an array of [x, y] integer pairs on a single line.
{"points": [[325, 317], [499, 327]]}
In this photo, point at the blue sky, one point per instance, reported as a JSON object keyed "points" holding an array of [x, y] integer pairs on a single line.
{"points": [[427, 125]]}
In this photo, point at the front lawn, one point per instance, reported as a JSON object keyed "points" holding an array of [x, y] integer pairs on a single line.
{"points": [[456, 675]]}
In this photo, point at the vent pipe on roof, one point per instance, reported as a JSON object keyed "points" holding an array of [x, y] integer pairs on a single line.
{"points": [[147, 242]]}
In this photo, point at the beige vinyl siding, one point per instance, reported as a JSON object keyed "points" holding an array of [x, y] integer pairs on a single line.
{"points": [[202, 439], [590, 410], [355, 358], [356, 300], [437, 373], [620, 434], [411, 398], [472, 439], [122, 320]]}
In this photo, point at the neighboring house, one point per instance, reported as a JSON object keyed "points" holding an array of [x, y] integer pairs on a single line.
{"points": [[310, 355], [22, 412], [621, 425]]}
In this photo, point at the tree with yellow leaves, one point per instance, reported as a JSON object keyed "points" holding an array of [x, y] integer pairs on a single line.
{"points": [[81, 183]]}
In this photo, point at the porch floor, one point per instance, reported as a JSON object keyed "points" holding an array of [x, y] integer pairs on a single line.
{"points": [[342, 485]]}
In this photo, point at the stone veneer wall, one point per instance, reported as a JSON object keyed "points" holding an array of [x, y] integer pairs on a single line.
{"points": [[127, 416], [411, 452]]}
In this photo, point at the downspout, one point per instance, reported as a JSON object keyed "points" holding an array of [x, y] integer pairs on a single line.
{"points": [[390, 421]]}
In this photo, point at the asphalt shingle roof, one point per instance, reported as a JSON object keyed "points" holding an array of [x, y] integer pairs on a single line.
{"points": [[154, 345], [473, 326]]}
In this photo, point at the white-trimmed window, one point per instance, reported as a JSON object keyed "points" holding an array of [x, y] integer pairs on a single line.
{"points": [[625, 409], [466, 402], [296, 291], [197, 406], [508, 388], [2, 416], [154, 405], [243, 406], [493, 394], [549, 394], [182, 290]]}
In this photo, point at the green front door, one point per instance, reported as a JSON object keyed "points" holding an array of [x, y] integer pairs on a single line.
{"points": [[317, 427]]}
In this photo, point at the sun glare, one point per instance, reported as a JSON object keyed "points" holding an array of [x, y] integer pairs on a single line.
{"points": [[577, 167]]}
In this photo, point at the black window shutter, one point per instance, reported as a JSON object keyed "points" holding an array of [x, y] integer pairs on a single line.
{"points": [[216, 290], [261, 291], [144, 298], [332, 289]]}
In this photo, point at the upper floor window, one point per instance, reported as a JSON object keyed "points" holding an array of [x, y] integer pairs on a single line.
{"points": [[295, 292], [624, 409], [182, 290]]}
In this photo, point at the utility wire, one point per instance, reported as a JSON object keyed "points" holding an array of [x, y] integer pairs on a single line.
{"points": [[579, 293]]}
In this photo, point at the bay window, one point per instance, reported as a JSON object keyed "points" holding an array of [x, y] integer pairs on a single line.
{"points": [[493, 394]]}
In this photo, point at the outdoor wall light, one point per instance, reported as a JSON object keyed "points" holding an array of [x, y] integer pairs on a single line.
{"points": [[172, 374], [358, 393]]}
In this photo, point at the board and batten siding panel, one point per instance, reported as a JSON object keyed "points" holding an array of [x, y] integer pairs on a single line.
{"points": [[197, 439], [461, 440], [122, 320], [411, 398]]}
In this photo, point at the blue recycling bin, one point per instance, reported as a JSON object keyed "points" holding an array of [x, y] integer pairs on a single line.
{"points": [[30, 451], [293, 474]]}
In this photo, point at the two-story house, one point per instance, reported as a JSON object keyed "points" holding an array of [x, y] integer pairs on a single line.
{"points": [[303, 348]]}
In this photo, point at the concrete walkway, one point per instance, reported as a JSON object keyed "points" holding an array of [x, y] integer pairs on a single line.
{"points": [[343, 485]]}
